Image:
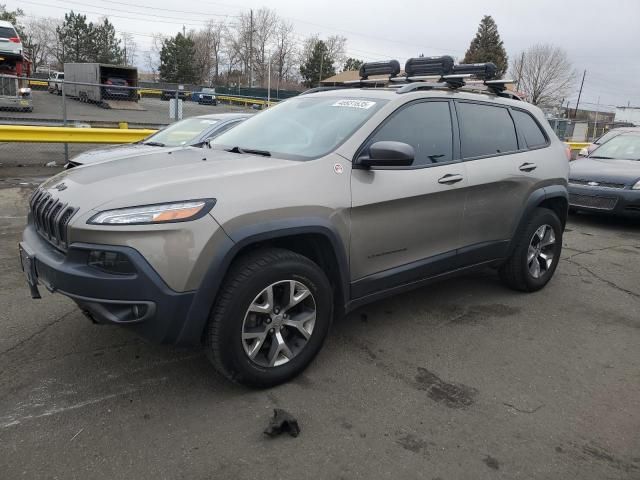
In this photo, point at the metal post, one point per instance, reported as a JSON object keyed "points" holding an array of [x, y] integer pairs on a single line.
{"points": [[64, 119], [595, 126], [175, 107], [269, 84]]}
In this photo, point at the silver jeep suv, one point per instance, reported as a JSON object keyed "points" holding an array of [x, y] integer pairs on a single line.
{"points": [[316, 206]]}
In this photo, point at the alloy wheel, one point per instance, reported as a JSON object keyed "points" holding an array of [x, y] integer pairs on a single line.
{"points": [[279, 323], [541, 252]]}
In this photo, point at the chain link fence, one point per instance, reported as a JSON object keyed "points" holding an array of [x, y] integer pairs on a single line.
{"points": [[114, 103]]}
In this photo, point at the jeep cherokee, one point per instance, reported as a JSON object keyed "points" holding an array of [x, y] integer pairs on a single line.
{"points": [[316, 206]]}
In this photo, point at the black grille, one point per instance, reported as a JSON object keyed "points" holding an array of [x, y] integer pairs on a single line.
{"points": [[50, 216], [602, 203], [599, 184]]}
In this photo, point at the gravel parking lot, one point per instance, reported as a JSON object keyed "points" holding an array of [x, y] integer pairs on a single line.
{"points": [[460, 380]]}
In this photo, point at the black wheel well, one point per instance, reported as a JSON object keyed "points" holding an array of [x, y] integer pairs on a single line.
{"points": [[317, 248], [558, 205]]}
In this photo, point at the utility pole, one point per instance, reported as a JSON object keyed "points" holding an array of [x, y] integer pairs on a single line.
{"points": [[251, 49], [575, 112]]}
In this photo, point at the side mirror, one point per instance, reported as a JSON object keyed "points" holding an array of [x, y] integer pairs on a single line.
{"points": [[387, 154]]}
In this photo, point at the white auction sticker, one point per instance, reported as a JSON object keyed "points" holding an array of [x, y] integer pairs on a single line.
{"points": [[364, 104]]}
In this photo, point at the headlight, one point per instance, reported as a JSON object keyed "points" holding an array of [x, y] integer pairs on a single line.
{"points": [[158, 213], [636, 186], [25, 91], [200, 95]]}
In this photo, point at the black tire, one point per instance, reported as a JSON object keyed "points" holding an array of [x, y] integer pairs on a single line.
{"points": [[246, 278], [515, 271]]}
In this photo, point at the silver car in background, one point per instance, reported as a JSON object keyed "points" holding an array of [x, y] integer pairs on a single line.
{"points": [[190, 132]]}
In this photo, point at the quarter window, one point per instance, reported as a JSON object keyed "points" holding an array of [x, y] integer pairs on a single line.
{"points": [[529, 129], [485, 130], [426, 126]]}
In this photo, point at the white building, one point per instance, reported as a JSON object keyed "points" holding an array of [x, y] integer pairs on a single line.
{"points": [[628, 114]]}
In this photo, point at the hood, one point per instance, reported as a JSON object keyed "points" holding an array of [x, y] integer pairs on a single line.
{"points": [[164, 176], [625, 172], [113, 152]]}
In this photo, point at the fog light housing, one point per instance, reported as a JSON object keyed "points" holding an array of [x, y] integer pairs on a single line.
{"points": [[110, 262]]}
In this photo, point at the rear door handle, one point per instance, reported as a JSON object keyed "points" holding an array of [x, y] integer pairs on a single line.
{"points": [[450, 179], [528, 167]]}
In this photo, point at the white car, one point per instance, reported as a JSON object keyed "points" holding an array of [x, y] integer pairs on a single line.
{"points": [[9, 39], [55, 84]]}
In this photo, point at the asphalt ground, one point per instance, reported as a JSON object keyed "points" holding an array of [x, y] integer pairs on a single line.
{"points": [[153, 111], [459, 380]]}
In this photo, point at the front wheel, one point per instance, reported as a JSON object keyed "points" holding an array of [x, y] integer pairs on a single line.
{"points": [[270, 319], [536, 254]]}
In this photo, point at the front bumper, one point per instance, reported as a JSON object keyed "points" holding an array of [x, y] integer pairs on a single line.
{"points": [[16, 102], [139, 301], [611, 201]]}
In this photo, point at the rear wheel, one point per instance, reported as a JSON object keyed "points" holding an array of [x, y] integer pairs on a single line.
{"points": [[270, 319], [536, 254]]}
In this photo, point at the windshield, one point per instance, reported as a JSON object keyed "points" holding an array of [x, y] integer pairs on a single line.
{"points": [[301, 128], [606, 137], [622, 147], [184, 132], [208, 90]]}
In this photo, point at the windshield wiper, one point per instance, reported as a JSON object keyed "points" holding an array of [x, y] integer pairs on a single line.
{"points": [[154, 144], [602, 158], [252, 151]]}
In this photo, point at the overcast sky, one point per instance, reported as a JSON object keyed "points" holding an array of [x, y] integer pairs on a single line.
{"points": [[601, 37]]}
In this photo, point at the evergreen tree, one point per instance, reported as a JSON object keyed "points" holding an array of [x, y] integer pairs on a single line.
{"points": [[352, 64], [317, 65], [13, 17], [176, 60], [487, 46], [105, 45], [75, 37]]}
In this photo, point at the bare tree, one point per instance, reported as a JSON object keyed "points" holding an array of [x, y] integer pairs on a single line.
{"points": [[129, 48], [152, 56], [284, 55], [544, 74], [208, 48], [336, 45], [265, 24], [39, 37], [238, 41]]}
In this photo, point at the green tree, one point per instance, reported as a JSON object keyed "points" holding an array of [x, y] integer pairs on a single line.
{"points": [[352, 64], [13, 17], [105, 45], [487, 46], [176, 60], [317, 65], [75, 39]]}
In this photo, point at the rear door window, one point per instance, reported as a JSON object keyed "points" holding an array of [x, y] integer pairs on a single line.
{"points": [[485, 130], [529, 129], [7, 32], [426, 126]]}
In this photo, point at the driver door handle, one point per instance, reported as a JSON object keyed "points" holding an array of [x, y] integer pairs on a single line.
{"points": [[528, 167], [450, 179]]}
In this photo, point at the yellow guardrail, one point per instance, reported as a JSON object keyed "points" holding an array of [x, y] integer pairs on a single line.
{"points": [[21, 133], [41, 83], [577, 145]]}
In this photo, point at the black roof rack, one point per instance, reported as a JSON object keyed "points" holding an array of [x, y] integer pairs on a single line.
{"points": [[428, 73]]}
